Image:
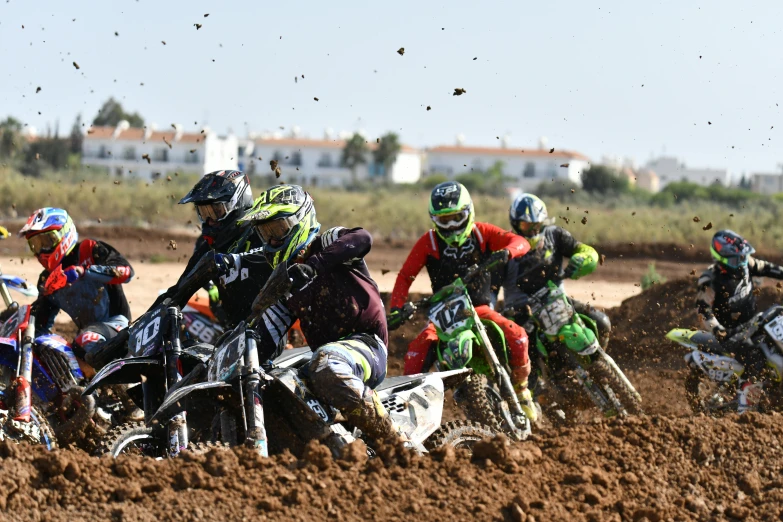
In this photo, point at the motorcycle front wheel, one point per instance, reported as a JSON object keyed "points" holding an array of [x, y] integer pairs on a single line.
{"points": [[459, 434], [707, 396], [479, 400], [132, 438], [614, 385]]}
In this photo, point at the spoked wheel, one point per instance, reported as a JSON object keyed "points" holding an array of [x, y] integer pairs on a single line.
{"points": [[459, 434], [479, 401], [37, 431], [616, 387], [707, 396], [72, 414], [133, 438]]}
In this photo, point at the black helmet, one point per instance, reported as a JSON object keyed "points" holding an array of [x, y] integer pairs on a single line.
{"points": [[221, 198], [730, 249]]}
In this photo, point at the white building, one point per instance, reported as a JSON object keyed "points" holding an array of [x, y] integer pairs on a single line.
{"points": [[147, 153], [314, 162], [527, 168], [671, 170], [766, 183]]}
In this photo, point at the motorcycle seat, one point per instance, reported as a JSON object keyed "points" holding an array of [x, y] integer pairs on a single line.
{"points": [[292, 354], [399, 380]]}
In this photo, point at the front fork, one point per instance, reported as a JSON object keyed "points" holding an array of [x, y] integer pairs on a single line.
{"points": [[501, 375], [24, 374], [178, 426], [255, 432]]}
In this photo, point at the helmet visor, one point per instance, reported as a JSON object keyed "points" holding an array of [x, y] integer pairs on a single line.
{"points": [[44, 242], [734, 261], [274, 232], [453, 221], [526, 228], [214, 211]]}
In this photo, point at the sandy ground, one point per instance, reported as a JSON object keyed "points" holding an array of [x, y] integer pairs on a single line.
{"points": [[151, 278]]}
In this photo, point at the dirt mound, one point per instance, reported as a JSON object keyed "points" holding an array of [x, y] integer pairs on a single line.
{"points": [[640, 324], [640, 469]]}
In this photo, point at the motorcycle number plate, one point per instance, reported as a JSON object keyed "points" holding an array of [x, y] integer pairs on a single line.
{"points": [[451, 314], [8, 329], [146, 336], [775, 328], [228, 356], [554, 315]]}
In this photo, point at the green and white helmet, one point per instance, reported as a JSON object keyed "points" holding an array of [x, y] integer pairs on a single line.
{"points": [[451, 209], [284, 218], [527, 215]]}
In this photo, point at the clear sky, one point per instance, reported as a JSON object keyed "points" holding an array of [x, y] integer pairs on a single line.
{"points": [[621, 77]]}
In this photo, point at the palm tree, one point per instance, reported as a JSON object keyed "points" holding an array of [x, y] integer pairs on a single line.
{"points": [[10, 137], [354, 154], [386, 153]]}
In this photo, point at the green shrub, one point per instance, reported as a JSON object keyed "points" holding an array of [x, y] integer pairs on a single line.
{"points": [[652, 277]]}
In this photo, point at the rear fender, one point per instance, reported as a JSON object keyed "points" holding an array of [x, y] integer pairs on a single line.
{"points": [[126, 371], [43, 385], [418, 411], [186, 398]]}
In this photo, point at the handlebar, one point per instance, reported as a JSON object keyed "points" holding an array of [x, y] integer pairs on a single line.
{"points": [[495, 260]]}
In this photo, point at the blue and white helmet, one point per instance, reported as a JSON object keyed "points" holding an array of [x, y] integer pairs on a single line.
{"points": [[527, 215]]}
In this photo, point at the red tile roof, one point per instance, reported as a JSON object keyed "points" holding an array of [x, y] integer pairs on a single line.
{"points": [[303, 143], [499, 151], [135, 134]]}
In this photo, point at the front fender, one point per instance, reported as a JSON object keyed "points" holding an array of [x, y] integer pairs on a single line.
{"points": [[457, 352], [126, 371], [181, 399], [695, 339]]}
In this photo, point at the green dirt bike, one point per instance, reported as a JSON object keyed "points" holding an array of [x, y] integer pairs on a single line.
{"points": [[567, 351], [487, 396]]}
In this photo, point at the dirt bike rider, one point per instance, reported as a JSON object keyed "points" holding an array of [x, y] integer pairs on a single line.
{"points": [[456, 243], [335, 299], [726, 301], [221, 198], [4, 233], [81, 278], [549, 244]]}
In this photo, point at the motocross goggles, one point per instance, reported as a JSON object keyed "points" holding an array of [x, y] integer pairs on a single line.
{"points": [[731, 262], [453, 221], [275, 231], [214, 211], [45, 242], [526, 228]]}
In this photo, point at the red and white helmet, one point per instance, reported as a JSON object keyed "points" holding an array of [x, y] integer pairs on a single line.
{"points": [[51, 235]]}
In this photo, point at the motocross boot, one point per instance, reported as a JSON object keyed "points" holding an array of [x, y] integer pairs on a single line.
{"points": [[519, 376], [526, 402], [375, 422]]}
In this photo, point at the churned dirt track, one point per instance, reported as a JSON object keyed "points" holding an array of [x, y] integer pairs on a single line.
{"points": [[665, 466], [646, 469]]}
